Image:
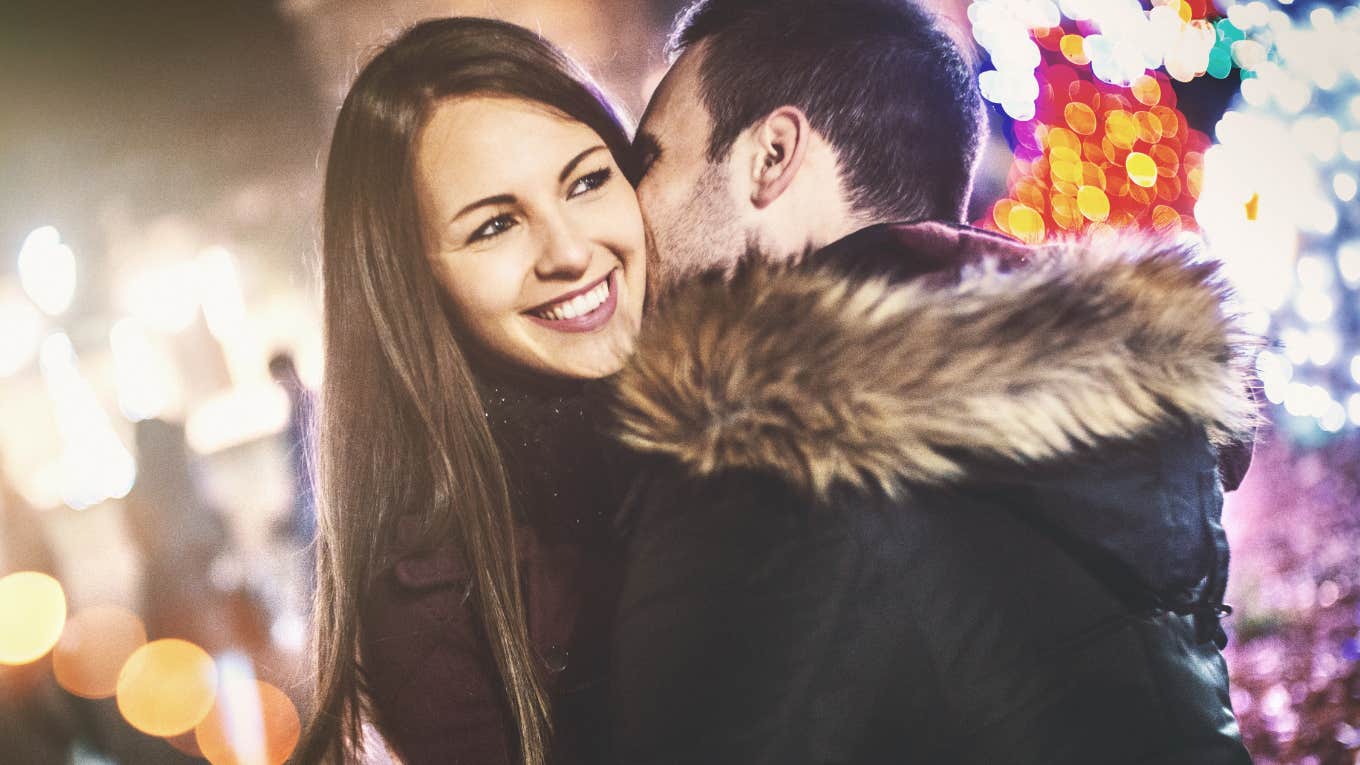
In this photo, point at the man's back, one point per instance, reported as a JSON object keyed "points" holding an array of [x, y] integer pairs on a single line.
{"points": [[820, 573]]}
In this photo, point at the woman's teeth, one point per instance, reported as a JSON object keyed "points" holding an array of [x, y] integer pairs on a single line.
{"points": [[577, 306]]}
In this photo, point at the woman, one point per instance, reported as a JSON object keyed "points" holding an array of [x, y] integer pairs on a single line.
{"points": [[483, 256]]}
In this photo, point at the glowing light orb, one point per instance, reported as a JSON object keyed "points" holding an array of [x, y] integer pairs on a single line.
{"points": [[1141, 169], [1094, 205], [1147, 90], [1026, 224], [1080, 117], [93, 648], [32, 614], [47, 269], [167, 687], [253, 723]]}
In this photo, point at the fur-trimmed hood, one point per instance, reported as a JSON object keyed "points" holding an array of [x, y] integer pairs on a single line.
{"points": [[829, 380]]}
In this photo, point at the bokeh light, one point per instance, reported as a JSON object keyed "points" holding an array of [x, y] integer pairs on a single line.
{"points": [[93, 648], [1100, 155], [94, 463], [32, 614], [167, 687], [252, 723], [1277, 207], [47, 269], [1121, 42], [23, 326]]}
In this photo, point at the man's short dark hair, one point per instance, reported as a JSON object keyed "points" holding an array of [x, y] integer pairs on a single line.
{"points": [[879, 79]]}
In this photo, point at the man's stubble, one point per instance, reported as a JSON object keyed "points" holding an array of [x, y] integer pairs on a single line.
{"points": [[702, 235]]}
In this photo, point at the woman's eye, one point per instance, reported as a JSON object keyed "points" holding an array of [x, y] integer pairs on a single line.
{"points": [[492, 228], [589, 182]]}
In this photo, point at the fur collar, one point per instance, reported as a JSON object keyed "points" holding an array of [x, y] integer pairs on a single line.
{"points": [[825, 380]]}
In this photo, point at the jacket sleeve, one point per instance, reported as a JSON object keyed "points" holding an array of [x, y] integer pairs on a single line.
{"points": [[432, 681], [733, 593]]}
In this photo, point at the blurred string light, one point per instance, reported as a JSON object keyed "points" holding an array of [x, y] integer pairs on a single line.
{"points": [[94, 465], [32, 614], [219, 292], [146, 378], [47, 269], [23, 326], [95, 645], [167, 687], [1278, 208]]}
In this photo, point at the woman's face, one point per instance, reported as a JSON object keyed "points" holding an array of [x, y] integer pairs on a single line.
{"points": [[533, 233]]}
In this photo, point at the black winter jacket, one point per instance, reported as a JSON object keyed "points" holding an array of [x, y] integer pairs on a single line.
{"points": [[894, 511]]}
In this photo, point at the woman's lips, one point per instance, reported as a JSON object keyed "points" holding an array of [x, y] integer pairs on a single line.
{"points": [[590, 321]]}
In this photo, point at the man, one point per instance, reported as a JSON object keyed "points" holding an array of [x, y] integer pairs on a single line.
{"points": [[909, 492]]}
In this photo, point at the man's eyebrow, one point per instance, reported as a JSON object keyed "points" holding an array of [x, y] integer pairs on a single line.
{"points": [[571, 166]]}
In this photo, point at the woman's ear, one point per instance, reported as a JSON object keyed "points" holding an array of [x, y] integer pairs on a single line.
{"points": [[781, 140]]}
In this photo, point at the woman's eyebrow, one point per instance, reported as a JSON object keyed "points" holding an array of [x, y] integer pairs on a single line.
{"points": [[571, 166], [509, 199], [499, 199]]}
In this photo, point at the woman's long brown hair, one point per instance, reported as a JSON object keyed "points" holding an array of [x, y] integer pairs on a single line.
{"points": [[402, 430]]}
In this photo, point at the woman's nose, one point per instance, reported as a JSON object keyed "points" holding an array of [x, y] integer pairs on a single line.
{"points": [[564, 253]]}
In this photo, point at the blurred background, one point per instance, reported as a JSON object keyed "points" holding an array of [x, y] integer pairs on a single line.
{"points": [[160, 170]]}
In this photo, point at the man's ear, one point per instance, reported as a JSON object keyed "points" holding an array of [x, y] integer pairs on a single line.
{"points": [[781, 140]]}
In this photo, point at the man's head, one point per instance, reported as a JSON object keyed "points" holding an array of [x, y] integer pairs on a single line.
{"points": [[786, 124]]}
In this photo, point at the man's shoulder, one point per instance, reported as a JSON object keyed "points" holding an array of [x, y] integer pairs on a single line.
{"points": [[825, 380]]}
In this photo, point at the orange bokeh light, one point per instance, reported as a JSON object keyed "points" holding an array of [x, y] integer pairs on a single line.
{"points": [[167, 687], [1147, 90], [1098, 156], [93, 648], [32, 614], [252, 723], [1074, 48], [1080, 117]]}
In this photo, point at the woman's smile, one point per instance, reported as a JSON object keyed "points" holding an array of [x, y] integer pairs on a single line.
{"points": [[583, 310]]}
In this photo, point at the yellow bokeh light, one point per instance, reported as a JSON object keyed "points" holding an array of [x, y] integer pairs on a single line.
{"points": [[1001, 214], [167, 687], [1066, 170], [1080, 117], [1093, 203], [1062, 138], [32, 614], [1142, 170], [1120, 128], [93, 648], [1065, 212], [1146, 89], [264, 730], [1073, 47], [1148, 126], [1026, 224]]}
